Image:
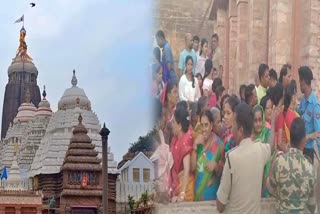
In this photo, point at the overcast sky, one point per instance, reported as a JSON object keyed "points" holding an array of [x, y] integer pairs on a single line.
{"points": [[108, 43]]}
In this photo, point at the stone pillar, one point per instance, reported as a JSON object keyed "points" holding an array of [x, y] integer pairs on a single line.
{"points": [[280, 33], [314, 45], [258, 35], [296, 25], [221, 27], [242, 42], [232, 47]]}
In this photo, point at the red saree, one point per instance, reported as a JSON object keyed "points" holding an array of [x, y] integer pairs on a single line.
{"points": [[181, 147]]}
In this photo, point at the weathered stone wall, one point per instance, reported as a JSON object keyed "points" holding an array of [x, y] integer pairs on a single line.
{"points": [[280, 33], [209, 207], [176, 18]]}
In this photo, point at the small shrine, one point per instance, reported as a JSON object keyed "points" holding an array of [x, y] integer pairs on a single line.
{"points": [[82, 175]]}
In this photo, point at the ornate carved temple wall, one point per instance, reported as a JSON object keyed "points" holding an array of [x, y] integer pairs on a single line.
{"points": [[251, 32]]}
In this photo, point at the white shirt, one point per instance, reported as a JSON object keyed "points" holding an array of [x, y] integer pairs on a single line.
{"points": [[200, 65], [247, 162], [186, 91]]}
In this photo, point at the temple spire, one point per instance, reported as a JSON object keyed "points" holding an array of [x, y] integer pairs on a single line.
{"points": [[74, 80], [22, 49]]}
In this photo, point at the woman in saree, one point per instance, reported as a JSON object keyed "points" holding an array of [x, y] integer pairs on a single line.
{"points": [[207, 151], [260, 130], [290, 103], [201, 106], [161, 155], [262, 133], [276, 96], [228, 114], [181, 180], [266, 104], [169, 99]]}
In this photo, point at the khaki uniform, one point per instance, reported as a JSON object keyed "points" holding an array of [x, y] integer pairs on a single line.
{"points": [[292, 182], [240, 186]]}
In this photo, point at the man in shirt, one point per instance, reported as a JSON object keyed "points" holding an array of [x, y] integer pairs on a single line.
{"points": [[264, 81], [241, 182], [196, 43], [167, 57], [188, 51], [216, 55], [309, 109], [292, 178]]}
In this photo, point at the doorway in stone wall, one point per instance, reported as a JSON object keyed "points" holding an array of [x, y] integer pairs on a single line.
{"points": [[84, 210]]}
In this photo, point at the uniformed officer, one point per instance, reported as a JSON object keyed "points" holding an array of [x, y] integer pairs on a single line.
{"points": [[309, 109], [292, 178]]}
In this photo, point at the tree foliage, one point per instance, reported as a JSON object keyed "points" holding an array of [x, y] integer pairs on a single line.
{"points": [[144, 143]]}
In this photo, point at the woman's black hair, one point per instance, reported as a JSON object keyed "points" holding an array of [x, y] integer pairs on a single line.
{"points": [[202, 43], [181, 115], [219, 91], [263, 101], [233, 101], [226, 96], [208, 114], [242, 88], [202, 103], [276, 93], [216, 83], [170, 85], [257, 108], [157, 54], [187, 59], [288, 94], [199, 75], [207, 68]]}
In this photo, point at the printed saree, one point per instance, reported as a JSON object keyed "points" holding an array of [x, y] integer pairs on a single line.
{"points": [[207, 183]]}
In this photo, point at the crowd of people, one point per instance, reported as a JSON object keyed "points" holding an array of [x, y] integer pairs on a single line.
{"points": [[230, 148]]}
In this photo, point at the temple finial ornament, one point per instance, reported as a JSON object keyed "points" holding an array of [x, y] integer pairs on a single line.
{"points": [[74, 80], [80, 118], [44, 94], [22, 50]]}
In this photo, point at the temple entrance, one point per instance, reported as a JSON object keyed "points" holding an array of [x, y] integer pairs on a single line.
{"points": [[83, 210]]}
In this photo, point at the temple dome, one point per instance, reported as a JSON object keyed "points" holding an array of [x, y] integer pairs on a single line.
{"points": [[74, 97], [19, 65], [25, 112], [44, 106]]}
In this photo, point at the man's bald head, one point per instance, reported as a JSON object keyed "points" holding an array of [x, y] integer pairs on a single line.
{"points": [[188, 41]]}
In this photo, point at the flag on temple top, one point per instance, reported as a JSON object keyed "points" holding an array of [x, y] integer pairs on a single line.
{"points": [[20, 20], [3, 173]]}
